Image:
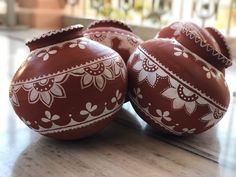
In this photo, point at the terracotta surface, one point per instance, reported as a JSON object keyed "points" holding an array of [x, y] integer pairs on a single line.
{"points": [[69, 86], [115, 35], [176, 81]]}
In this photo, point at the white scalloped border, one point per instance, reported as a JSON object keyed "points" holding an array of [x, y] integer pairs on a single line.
{"points": [[107, 21], [223, 39], [20, 82], [207, 47]]}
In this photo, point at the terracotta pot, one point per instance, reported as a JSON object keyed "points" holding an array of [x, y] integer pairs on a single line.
{"points": [[176, 81], [115, 35], [69, 87]]}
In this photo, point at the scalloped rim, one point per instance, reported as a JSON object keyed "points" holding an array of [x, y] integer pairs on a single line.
{"points": [[219, 56], [223, 39], [93, 24], [53, 32]]}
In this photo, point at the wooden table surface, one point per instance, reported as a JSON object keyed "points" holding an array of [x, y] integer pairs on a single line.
{"points": [[126, 148]]}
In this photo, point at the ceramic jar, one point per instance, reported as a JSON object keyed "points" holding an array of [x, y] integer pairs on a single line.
{"points": [[115, 35], [69, 87], [176, 81]]}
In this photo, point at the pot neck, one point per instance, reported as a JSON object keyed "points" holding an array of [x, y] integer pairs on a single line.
{"points": [[204, 50], [55, 36]]}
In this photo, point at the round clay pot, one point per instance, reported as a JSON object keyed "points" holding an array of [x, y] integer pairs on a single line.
{"points": [[176, 81], [115, 35], [69, 87]]}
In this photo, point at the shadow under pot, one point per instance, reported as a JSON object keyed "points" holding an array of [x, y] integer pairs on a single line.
{"points": [[69, 87]]}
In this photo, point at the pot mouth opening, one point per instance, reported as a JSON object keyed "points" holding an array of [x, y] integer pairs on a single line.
{"points": [[217, 55], [110, 23], [55, 36]]}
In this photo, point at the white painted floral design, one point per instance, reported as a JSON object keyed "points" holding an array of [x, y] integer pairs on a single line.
{"points": [[89, 109], [128, 43], [182, 97], [209, 72], [95, 74], [177, 27], [190, 131], [158, 119], [163, 115], [137, 92], [28, 123], [117, 97], [104, 38], [180, 52], [148, 70], [92, 117], [119, 68], [31, 55], [13, 95], [46, 90], [213, 116], [97, 36], [49, 117], [78, 43], [46, 53]]}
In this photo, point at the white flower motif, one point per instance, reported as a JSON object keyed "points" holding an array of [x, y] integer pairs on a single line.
{"points": [[97, 36], [30, 55], [179, 52], [26, 121], [137, 92], [163, 115], [89, 109], [213, 116], [13, 95], [148, 70], [117, 97], [182, 97], [190, 131], [45, 53], [78, 43], [104, 38], [95, 74], [49, 118], [119, 67], [45, 90], [209, 72], [177, 27]]}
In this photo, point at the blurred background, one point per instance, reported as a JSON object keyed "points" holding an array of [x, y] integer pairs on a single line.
{"points": [[145, 16], [20, 20], [46, 14]]}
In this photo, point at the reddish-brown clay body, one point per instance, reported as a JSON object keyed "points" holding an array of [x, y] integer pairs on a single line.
{"points": [[69, 87], [115, 35], [176, 81]]}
